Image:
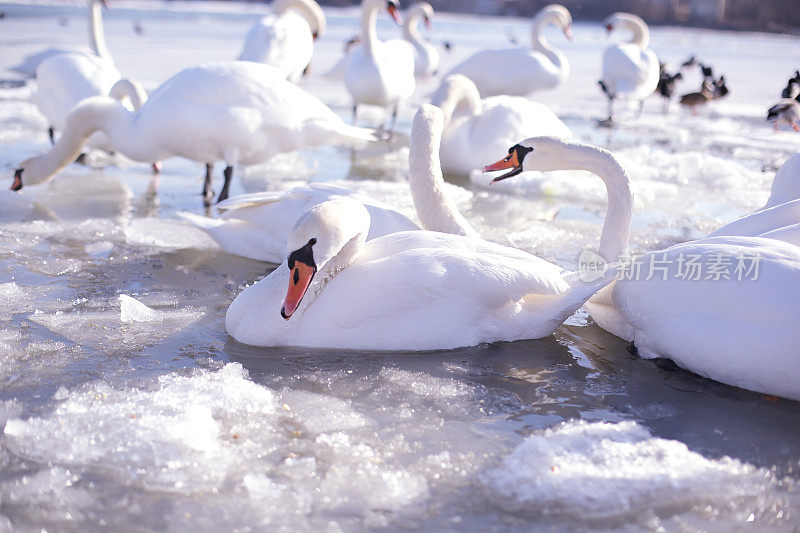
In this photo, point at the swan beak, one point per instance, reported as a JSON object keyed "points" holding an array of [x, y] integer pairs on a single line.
{"points": [[395, 14], [105, 3], [17, 185], [568, 32], [315, 36], [428, 24], [609, 28], [299, 281], [511, 161]]}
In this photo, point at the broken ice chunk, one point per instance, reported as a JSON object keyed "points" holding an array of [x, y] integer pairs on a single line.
{"points": [[132, 310]]}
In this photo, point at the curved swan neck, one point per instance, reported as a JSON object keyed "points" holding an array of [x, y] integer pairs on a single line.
{"points": [[369, 20], [435, 208], [97, 36], [641, 34], [616, 227], [93, 114], [541, 44], [133, 91], [457, 91], [309, 9], [411, 26]]}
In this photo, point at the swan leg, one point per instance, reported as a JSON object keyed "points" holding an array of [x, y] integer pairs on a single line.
{"points": [[208, 192], [52, 134], [393, 122], [355, 113], [228, 173]]}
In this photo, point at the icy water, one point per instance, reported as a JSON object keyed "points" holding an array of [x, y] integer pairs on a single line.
{"points": [[124, 404]]}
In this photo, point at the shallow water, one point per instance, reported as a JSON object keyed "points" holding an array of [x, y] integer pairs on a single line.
{"points": [[121, 415]]}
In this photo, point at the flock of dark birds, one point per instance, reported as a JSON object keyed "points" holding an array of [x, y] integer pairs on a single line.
{"points": [[710, 89]]}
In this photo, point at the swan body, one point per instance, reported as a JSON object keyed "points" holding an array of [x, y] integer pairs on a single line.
{"points": [[257, 225], [630, 70], [413, 290], [477, 130], [242, 113], [97, 43], [786, 183], [63, 80], [521, 71], [426, 57], [379, 73], [737, 331], [285, 39]]}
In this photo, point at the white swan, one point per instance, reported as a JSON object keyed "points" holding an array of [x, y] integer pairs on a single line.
{"points": [[630, 70], [740, 330], [379, 73], [242, 113], [285, 40], [426, 57], [416, 290], [724, 325], [63, 80], [257, 225], [522, 71], [97, 42], [477, 130], [786, 183]]}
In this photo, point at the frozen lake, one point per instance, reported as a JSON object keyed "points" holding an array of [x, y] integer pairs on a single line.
{"points": [[116, 415]]}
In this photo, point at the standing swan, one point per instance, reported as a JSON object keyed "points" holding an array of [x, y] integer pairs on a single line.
{"points": [[477, 130], [285, 40], [426, 57], [522, 71], [411, 290], [379, 73], [97, 43], [257, 225], [242, 113], [630, 70]]}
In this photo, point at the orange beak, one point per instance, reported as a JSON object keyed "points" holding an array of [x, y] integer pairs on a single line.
{"points": [[511, 161], [428, 24], [300, 278], [395, 15], [315, 36], [568, 32]]}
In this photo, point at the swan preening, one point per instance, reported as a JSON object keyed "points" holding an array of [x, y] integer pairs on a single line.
{"points": [[522, 71], [285, 39], [722, 306], [97, 43], [241, 113], [418, 290], [379, 73], [476, 129], [630, 70]]}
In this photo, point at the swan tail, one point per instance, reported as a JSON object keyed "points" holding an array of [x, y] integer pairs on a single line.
{"points": [[361, 134]]}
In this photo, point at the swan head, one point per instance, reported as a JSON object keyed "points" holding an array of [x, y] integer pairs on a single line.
{"points": [[391, 6], [559, 16], [421, 10], [31, 171], [621, 20], [543, 154], [318, 241]]}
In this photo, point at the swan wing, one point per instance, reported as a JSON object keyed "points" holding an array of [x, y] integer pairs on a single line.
{"points": [[761, 221]]}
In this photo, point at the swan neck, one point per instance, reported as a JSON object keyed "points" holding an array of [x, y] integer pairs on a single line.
{"points": [[616, 227], [540, 44], [436, 210], [133, 91], [97, 36], [369, 32], [641, 34], [343, 259], [457, 94], [411, 30], [94, 114]]}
